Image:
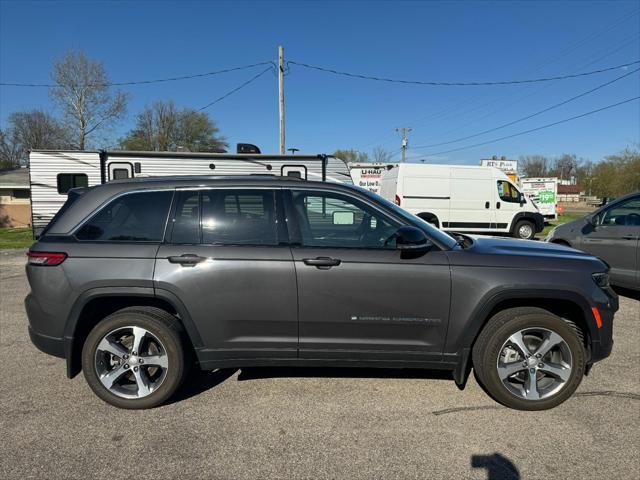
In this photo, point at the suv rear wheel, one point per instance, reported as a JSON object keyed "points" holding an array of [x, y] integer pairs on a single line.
{"points": [[135, 358], [529, 359]]}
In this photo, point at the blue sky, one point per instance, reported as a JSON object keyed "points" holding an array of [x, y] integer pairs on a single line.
{"points": [[434, 41]]}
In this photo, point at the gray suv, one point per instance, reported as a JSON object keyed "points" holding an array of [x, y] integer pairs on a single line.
{"points": [[135, 281], [611, 233]]}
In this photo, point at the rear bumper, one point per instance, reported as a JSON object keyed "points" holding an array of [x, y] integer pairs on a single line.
{"points": [[51, 345], [43, 330]]}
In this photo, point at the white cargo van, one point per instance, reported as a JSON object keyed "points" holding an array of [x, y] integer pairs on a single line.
{"points": [[462, 198]]}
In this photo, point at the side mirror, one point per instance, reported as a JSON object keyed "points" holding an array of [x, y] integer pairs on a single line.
{"points": [[412, 238], [593, 220]]}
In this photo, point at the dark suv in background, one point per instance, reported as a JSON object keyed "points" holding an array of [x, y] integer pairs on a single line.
{"points": [[135, 281], [611, 233]]}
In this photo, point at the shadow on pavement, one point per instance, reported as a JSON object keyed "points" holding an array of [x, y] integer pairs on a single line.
{"points": [[625, 292], [200, 381], [254, 373], [498, 466]]}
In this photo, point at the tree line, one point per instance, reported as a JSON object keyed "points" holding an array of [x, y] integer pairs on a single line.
{"points": [[87, 108], [613, 176]]}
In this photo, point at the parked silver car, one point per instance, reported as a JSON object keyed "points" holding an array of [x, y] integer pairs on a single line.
{"points": [[611, 233]]}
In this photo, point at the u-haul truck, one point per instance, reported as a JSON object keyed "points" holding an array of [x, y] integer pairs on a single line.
{"points": [[544, 193]]}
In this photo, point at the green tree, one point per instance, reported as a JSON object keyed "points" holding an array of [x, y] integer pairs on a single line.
{"points": [[162, 127], [617, 174]]}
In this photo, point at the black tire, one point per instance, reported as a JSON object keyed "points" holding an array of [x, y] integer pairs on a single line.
{"points": [[160, 324], [525, 230], [488, 348]]}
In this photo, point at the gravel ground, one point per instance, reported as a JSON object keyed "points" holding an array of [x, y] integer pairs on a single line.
{"points": [[309, 423]]}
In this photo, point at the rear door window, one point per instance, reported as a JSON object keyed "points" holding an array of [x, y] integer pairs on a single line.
{"points": [[225, 217], [133, 217]]}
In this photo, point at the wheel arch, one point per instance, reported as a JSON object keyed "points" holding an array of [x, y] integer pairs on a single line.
{"points": [[535, 218], [96, 304], [563, 303], [427, 216]]}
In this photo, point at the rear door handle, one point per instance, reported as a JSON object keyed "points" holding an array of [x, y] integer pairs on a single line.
{"points": [[486, 204], [323, 263], [187, 260], [629, 237]]}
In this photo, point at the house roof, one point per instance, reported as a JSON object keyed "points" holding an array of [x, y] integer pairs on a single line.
{"points": [[14, 178], [569, 189]]}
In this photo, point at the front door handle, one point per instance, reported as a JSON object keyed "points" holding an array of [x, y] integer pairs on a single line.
{"points": [[629, 237], [323, 263], [497, 204], [186, 260]]}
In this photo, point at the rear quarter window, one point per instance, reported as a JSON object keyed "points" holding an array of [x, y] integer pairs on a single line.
{"points": [[133, 217]]}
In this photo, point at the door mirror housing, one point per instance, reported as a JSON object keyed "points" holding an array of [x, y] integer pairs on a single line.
{"points": [[412, 238], [593, 220]]}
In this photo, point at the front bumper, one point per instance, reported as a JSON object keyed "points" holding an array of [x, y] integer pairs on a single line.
{"points": [[602, 338]]}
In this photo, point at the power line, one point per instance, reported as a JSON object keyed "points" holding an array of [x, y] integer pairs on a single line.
{"points": [[239, 87], [535, 129], [142, 82], [459, 84], [529, 116]]}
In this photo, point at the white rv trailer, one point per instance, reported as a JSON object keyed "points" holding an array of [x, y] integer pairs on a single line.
{"points": [[54, 173]]}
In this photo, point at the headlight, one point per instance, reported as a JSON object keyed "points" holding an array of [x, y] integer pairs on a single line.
{"points": [[601, 279]]}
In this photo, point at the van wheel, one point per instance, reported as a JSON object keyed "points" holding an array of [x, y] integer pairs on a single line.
{"points": [[529, 359], [525, 230], [135, 358], [430, 218]]}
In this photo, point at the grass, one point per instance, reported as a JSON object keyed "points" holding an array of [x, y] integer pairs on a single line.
{"points": [[564, 218], [15, 238]]}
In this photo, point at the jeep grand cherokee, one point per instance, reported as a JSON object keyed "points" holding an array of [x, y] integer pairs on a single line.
{"points": [[134, 281]]}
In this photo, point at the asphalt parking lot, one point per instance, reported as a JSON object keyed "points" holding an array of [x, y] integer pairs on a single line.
{"points": [[309, 423]]}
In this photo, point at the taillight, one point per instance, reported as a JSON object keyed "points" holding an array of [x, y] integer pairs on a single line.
{"points": [[47, 259], [397, 200]]}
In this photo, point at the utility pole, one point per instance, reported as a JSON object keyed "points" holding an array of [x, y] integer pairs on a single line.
{"points": [[403, 131], [281, 96]]}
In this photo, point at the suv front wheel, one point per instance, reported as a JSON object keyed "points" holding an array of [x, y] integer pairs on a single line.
{"points": [[135, 357], [529, 359]]}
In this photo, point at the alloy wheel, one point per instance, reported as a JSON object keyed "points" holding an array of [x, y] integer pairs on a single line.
{"points": [[534, 363], [131, 362]]}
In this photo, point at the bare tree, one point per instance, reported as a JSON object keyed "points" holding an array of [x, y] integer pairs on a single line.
{"points": [[382, 155], [10, 151], [565, 166], [31, 130], [351, 156], [534, 165], [83, 94], [162, 127]]}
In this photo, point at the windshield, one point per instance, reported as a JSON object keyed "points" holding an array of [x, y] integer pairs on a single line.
{"points": [[429, 229]]}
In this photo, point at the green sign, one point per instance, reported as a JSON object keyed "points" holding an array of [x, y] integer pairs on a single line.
{"points": [[547, 196]]}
